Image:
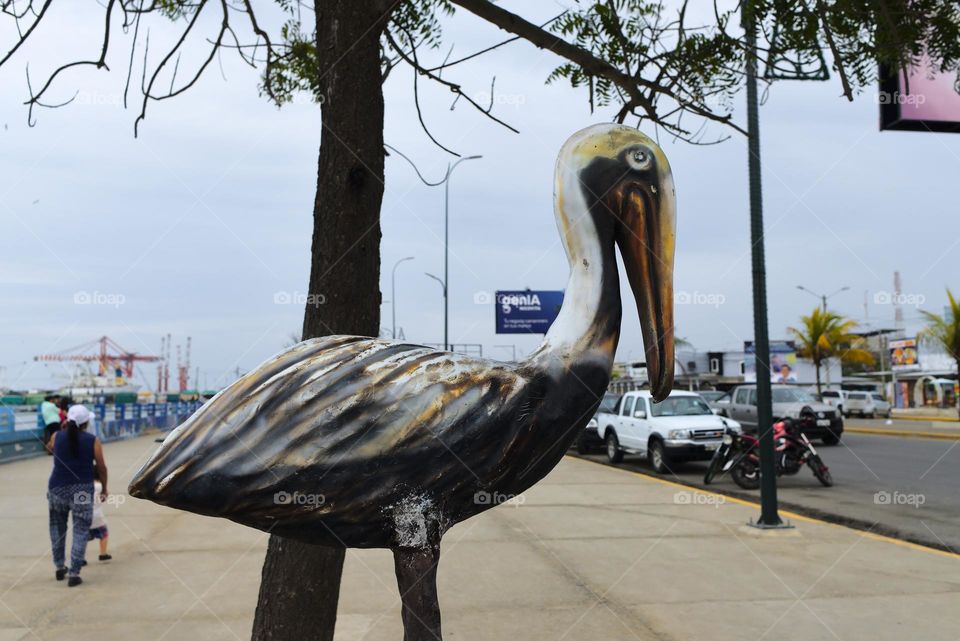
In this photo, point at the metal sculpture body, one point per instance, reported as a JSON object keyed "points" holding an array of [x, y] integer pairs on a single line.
{"points": [[363, 442]]}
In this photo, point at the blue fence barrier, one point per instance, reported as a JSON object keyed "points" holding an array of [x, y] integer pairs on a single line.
{"points": [[8, 420], [126, 421]]}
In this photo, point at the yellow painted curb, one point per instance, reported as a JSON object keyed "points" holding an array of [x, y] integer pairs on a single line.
{"points": [[938, 419], [904, 433], [787, 513]]}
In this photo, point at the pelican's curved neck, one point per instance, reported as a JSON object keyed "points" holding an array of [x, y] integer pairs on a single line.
{"points": [[589, 320]]}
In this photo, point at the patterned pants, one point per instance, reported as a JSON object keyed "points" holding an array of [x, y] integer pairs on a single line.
{"points": [[76, 498]]}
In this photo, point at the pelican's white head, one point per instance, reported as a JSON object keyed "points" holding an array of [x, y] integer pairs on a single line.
{"points": [[614, 186]]}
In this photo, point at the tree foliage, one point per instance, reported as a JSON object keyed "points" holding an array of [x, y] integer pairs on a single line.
{"points": [[944, 330], [824, 334], [675, 63]]}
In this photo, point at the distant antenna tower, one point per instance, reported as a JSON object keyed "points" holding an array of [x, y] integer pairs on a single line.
{"points": [[183, 367], [160, 366], [166, 366], [897, 297], [180, 385]]}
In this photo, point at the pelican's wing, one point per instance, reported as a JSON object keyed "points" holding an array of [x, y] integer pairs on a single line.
{"points": [[335, 432]]}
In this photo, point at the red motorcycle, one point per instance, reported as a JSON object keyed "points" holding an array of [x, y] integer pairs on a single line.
{"points": [[739, 455]]}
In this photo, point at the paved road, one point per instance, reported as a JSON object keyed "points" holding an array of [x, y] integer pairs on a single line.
{"points": [[903, 487]]}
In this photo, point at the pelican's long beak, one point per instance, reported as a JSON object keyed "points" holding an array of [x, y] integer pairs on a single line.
{"points": [[646, 236]]}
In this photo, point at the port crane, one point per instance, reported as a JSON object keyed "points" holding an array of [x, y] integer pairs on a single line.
{"points": [[105, 352]]}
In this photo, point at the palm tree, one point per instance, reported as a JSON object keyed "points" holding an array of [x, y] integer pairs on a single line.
{"points": [[824, 334], [944, 331]]}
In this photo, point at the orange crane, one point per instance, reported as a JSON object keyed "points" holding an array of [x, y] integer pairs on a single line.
{"points": [[105, 352]]}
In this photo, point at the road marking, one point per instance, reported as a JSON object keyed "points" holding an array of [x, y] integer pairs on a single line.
{"points": [[792, 515]]}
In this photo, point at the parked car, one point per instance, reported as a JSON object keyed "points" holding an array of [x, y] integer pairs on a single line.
{"points": [[680, 428], [788, 402], [834, 398], [711, 396], [881, 405], [867, 404], [589, 439]]}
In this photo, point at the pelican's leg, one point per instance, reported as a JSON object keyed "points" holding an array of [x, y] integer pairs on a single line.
{"points": [[417, 579]]}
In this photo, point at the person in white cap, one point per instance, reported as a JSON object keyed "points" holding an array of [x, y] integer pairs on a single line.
{"points": [[70, 490]]}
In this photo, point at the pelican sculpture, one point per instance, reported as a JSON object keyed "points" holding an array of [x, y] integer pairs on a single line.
{"points": [[364, 442]]}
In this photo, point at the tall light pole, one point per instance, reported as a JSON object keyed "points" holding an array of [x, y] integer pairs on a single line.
{"points": [[446, 231], [443, 286], [393, 294], [823, 297], [769, 512], [446, 247]]}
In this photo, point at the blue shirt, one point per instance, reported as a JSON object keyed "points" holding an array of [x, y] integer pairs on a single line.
{"points": [[67, 468]]}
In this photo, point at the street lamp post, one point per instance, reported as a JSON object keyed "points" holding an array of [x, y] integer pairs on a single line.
{"points": [[446, 232], [393, 294], [769, 513], [446, 247], [443, 286], [823, 297]]}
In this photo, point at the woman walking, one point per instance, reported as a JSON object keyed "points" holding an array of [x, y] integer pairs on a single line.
{"points": [[70, 490]]}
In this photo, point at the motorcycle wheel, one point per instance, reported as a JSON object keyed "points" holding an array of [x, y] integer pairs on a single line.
{"points": [[746, 475], [716, 463], [582, 446], [821, 471]]}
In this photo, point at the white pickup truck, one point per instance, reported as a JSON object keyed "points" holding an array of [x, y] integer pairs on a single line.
{"points": [[682, 427]]}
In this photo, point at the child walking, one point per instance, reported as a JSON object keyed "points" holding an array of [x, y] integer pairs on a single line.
{"points": [[98, 523]]}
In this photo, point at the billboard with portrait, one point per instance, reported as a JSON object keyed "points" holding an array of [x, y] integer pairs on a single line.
{"points": [[783, 362]]}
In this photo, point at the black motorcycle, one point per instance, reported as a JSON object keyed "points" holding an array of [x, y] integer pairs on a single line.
{"points": [[739, 455]]}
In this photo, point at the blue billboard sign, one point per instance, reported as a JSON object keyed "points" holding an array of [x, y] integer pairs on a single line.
{"points": [[527, 311]]}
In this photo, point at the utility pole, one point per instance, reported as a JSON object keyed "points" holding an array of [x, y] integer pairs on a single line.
{"points": [[393, 295], [823, 297], [446, 232], [769, 515], [446, 248]]}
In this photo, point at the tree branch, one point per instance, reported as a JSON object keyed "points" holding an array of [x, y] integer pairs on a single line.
{"points": [[631, 85]]}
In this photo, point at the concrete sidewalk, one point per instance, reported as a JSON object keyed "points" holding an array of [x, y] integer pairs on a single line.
{"points": [[592, 553]]}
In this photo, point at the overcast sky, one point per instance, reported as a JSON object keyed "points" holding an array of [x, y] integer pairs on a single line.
{"points": [[201, 224]]}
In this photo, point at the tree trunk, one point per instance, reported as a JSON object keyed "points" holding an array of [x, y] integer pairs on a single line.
{"points": [[300, 584], [816, 365], [957, 399]]}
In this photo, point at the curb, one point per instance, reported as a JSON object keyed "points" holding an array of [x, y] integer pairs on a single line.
{"points": [[926, 419], [903, 433]]}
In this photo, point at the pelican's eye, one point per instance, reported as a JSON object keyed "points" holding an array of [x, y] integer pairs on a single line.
{"points": [[639, 158]]}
